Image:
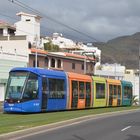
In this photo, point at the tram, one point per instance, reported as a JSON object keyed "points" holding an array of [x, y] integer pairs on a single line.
{"points": [[41, 90]]}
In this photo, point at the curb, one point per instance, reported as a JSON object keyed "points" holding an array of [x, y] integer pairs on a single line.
{"points": [[49, 127]]}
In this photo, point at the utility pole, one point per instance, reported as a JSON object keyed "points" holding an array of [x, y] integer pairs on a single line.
{"points": [[139, 74], [36, 39]]}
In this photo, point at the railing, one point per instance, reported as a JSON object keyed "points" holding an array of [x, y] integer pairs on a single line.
{"points": [[12, 37]]}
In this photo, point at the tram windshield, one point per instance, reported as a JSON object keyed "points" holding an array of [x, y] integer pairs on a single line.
{"points": [[22, 86]]}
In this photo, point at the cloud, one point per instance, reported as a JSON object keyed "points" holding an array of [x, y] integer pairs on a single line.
{"points": [[101, 19]]}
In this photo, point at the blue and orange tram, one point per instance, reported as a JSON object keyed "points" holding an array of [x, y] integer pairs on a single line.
{"points": [[42, 90]]}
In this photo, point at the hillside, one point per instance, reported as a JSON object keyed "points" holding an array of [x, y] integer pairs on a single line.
{"points": [[123, 50]]}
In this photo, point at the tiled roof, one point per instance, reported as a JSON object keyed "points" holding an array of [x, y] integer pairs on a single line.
{"points": [[6, 24], [33, 50], [78, 56], [62, 54]]}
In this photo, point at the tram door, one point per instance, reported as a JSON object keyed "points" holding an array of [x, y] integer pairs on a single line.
{"points": [[74, 103], [88, 94], [111, 95], [44, 94]]}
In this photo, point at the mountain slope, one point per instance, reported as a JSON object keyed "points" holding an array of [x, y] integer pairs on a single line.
{"points": [[123, 50]]}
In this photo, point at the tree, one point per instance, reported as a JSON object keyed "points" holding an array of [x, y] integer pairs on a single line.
{"points": [[49, 46]]}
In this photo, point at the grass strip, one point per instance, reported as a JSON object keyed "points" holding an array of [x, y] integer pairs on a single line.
{"points": [[14, 122]]}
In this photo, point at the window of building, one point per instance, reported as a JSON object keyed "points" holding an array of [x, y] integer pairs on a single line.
{"points": [[1, 31], [53, 62], [58, 63], [56, 89], [28, 20], [34, 65], [46, 61], [100, 90], [73, 65], [127, 72], [82, 66]]}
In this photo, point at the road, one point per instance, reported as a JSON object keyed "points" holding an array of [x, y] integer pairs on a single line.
{"points": [[117, 127]]}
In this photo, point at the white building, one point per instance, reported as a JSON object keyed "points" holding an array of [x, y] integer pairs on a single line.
{"points": [[29, 25], [133, 76], [113, 68], [13, 53], [90, 51], [115, 71], [62, 42], [6, 29]]}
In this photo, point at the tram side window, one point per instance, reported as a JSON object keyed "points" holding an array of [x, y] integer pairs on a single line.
{"points": [[111, 90], [119, 91], [115, 92], [75, 89], [81, 90], [88, 89], [127, 92], [56, 89], [100, 90], [130, 93], [31, 89]]}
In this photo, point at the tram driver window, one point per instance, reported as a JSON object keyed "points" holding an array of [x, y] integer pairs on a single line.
{"points": [[31, 89]]}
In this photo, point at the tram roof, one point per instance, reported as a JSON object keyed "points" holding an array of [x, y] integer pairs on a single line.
{"points": [[40, 71], [126, 83]]}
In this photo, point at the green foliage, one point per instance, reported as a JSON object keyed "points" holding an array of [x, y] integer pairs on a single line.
{"points": [[51, 47], [135, 100]]}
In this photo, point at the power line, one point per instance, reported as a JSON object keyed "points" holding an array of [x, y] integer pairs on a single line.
{"points": [[23, 5], [13, 18], [43, 27]]}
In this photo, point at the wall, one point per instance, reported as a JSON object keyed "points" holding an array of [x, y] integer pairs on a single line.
{"points": [[13, 53]]}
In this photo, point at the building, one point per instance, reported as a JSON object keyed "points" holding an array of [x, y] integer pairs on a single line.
{"points": [[6, 29], [68, 45], [13, 53], [29, 25], [133, 76], [62, 61], [115, 71]]}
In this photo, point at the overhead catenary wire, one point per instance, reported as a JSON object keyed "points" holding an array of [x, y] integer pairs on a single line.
{"points": [[23, 5], [43, 27]]}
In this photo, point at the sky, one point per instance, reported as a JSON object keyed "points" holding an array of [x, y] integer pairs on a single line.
{"points": [[98, 20]]}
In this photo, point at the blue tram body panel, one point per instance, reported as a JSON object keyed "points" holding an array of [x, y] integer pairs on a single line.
{"points": [[126, 98], [25, 107], [35, 105]]}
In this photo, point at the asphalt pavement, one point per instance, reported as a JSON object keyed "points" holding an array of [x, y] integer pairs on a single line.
{"points": [[112, 126]]}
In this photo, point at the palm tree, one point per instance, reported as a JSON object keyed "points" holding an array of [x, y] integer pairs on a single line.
{"points": [[135, 100]]}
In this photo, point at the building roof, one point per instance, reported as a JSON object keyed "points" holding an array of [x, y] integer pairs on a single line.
{"points": [[33, 50], [30, 15], [61, 54], [4, 24]]}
